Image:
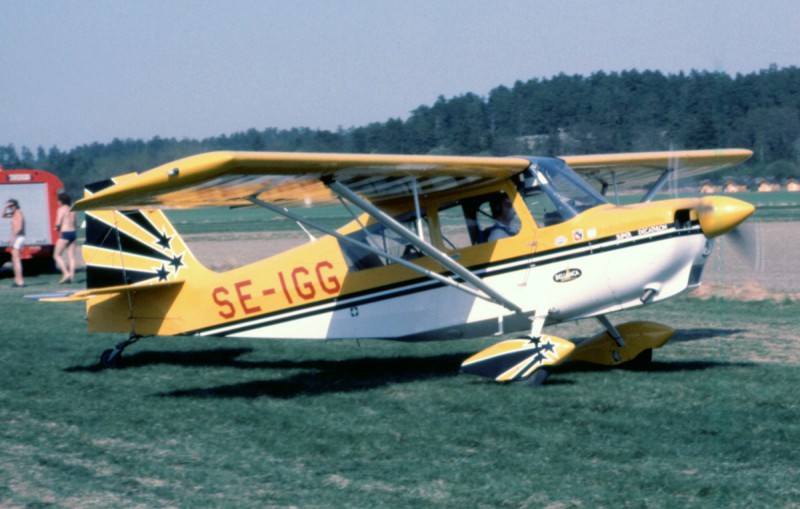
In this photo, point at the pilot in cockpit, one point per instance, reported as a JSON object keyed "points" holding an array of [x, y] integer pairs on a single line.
{"points": [[503, 214]]}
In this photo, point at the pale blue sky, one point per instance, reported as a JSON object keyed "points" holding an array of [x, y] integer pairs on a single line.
{"points": [[77, 72]]}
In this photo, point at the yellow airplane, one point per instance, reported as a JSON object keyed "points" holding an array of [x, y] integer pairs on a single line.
{"points": [[439, 247]]}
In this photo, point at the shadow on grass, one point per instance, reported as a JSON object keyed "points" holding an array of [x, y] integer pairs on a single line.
{"points": [[654, 367], [320, 376], [218, 357], [685, 335], [324, 377]]}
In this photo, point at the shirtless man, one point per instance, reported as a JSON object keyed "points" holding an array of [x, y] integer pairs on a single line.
{"points": [[65, 224], [17, 239]]}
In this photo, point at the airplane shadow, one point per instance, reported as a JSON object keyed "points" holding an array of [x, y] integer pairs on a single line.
{"points": [[685, 335], [653, 367], [218, 357], [324, 377], [320, 376]]}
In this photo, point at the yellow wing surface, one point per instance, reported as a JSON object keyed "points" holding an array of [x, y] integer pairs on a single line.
{"points": [[296, 179], [640, 169]]}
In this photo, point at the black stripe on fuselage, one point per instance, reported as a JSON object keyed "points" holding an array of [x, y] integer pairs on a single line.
{"points": [[422, 284]]}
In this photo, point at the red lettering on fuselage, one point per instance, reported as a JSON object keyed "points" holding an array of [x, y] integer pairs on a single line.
{"points": [[244, 297], [333, 281], [227, 310], [305, 285], [304, 290]]}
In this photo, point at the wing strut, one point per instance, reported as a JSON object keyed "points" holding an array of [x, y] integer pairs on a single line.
{"points": [[417, 210], [651, 193], [420, 244], [371, 249]]}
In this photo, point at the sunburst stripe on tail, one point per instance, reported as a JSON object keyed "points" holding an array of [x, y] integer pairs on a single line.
{"points": [[132, 247]]}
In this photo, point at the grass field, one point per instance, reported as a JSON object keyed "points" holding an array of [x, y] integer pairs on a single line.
{"points": [[199, 422], [204, 422]]}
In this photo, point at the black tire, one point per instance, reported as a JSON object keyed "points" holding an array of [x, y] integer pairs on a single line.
{"points": [[534, 380], [641, 362], [107, 361]]}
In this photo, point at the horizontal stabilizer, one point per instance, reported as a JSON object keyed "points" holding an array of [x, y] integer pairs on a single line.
{"points": [[64, 296], [517, 359], [82, 295]]}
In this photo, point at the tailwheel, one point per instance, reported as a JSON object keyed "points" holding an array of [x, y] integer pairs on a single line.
{"points": [[110, 359]]}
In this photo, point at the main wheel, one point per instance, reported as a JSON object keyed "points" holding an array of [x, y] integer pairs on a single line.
{"points": [[535, 380], [643, 361]]}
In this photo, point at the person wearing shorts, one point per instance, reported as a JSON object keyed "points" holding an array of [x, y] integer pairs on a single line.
{"points": [[65, 224], [16, 240]]}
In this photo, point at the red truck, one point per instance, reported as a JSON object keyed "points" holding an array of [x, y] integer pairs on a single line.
{"points": [[37, 194]]}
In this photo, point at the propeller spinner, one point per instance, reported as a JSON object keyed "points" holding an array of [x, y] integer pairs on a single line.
{"points": [[720, 214]]}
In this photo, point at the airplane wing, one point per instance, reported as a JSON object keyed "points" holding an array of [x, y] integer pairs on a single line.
{"points": [[641, 169], [293, 179]]}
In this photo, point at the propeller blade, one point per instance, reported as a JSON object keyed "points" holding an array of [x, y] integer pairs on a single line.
{"points": [[745, 239]]}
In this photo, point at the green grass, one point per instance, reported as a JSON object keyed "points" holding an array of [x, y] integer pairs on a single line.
{"points": [[777, 206], [204, 422]]}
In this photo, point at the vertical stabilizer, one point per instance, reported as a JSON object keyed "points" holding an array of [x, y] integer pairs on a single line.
{"points": [[135, 246]]}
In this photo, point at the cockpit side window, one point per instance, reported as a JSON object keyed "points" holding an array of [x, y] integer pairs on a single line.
{"points": [[477, 219], [555, 193], [380, 237]]}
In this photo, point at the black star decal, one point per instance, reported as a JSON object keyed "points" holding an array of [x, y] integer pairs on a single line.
{"points": [[163, 240], [162, 273], [548, 347], [177, 262]]}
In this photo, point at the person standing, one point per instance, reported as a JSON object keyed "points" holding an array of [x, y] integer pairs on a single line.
{"points": [[16, 240], [65, 224]]}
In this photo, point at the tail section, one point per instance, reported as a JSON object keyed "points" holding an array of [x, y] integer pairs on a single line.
{"points": [[129, 247]]}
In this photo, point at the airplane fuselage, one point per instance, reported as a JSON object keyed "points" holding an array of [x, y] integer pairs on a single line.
{"points": [[605, 259], [584, 267]]}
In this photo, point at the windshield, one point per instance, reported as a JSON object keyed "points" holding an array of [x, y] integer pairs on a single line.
{"points": [[566, 193]]}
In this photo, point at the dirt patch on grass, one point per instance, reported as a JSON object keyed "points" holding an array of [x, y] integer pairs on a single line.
{"points": [[762, 264], [227, 251], [745, 292]]}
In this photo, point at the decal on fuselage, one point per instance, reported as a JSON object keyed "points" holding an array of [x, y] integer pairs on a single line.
{"points": [[567, 275]]}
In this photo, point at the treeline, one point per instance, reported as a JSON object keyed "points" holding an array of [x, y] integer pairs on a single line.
{"points": [[604, 112]]}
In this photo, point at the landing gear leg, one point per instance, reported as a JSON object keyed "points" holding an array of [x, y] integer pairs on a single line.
{"points": [[110, 358]]}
